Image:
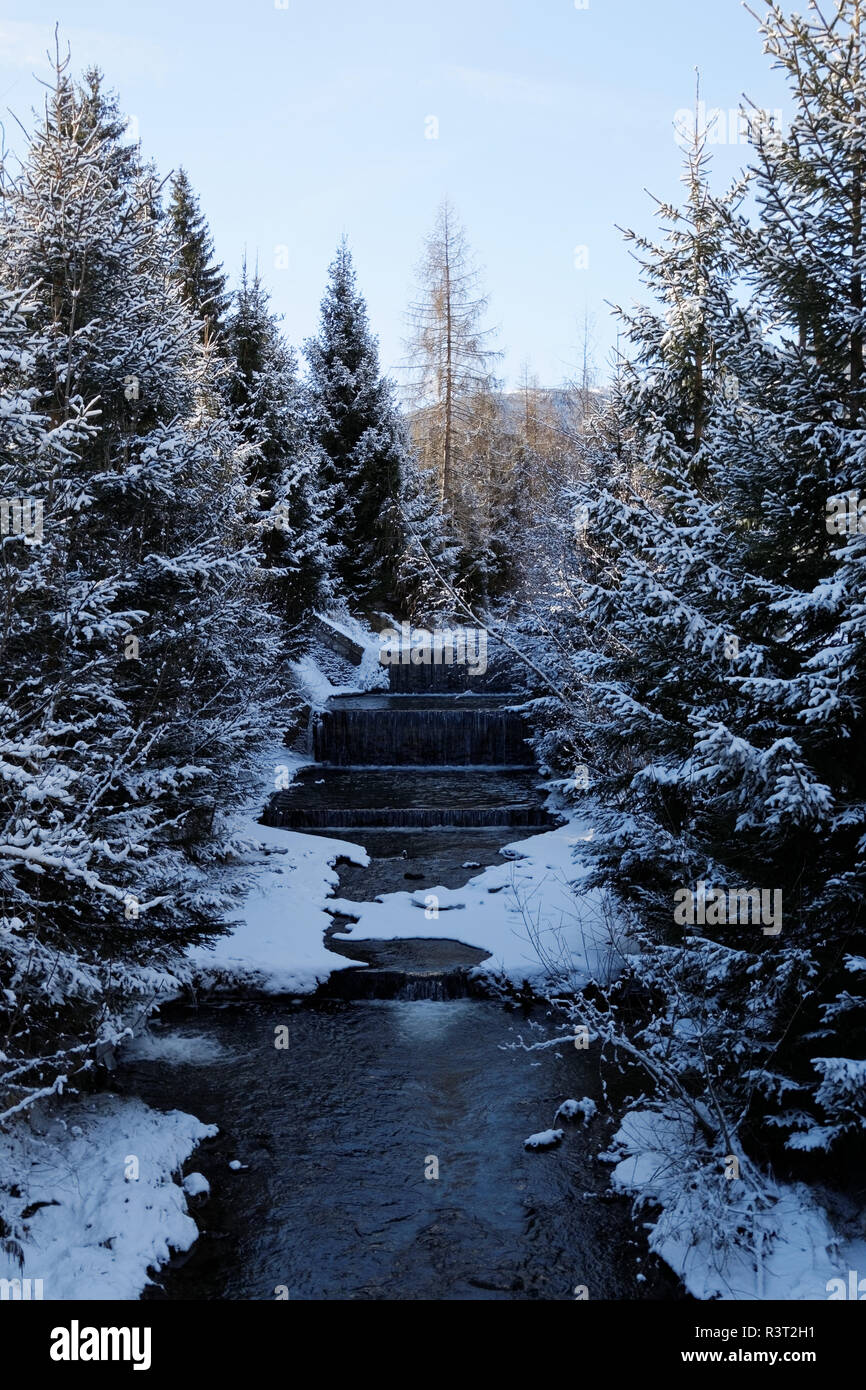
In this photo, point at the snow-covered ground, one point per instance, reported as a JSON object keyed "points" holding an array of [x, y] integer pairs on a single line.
{"points": [[314, 684], [529, 912], [97, 1181], [276, 945], [792, 1250]]}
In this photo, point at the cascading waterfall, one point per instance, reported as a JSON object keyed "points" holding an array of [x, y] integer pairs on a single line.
{"points": [[395, 1057], [338, 818], [415, 759], [432, 735]]}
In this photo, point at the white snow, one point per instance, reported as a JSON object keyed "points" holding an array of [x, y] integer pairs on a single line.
{"points": [[570, 1109], [276, 944], [793, 1249], [542, 899], [196, 1185], [544, 1139], [104, 1228], [314, 685], [312, 682]]}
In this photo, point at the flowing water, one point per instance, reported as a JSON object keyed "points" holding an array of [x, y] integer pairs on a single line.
{"points": [[409, 730], [382, 1145], [338, 1131]]}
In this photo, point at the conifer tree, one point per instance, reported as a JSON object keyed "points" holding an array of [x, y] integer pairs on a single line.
{"points": [[361, 441], [202, 281], [269, 403], [133, 648], [724, 644], [805, 399]]}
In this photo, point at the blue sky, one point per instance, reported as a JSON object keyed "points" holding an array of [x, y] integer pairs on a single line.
{"points": [[298, 124]]}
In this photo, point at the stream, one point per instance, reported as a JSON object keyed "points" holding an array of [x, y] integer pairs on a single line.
{"points": [[381, 1148]]}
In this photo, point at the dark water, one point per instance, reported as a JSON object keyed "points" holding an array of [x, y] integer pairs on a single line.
{"points": [[389, 1068], [339, 798], [404, 859], [337, 1130], [410, 680]]}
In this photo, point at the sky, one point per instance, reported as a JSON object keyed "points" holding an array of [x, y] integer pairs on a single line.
{"points": [[543, 121]]}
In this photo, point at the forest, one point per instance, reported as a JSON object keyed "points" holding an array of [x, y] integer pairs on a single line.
{"points": [[669, 557]]}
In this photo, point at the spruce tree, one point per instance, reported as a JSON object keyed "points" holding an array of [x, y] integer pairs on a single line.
{"points": [[361, 441], [723, 635], [685, 766], [270, 410], [661, 659], [133, 648], [805, 400], [201, 279]]}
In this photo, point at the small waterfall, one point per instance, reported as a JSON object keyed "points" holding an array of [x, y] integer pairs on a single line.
{"points": [[439, 737], [434, 758], [399, 984], [293, 816]]}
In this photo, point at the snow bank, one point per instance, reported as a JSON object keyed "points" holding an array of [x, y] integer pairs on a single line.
{"points": [[534, 897], [276, 945], [100, 1228], [314, 684], [720, 1242]]}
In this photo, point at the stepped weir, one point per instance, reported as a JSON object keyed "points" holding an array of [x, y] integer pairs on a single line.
{"points": [[428, 754]]}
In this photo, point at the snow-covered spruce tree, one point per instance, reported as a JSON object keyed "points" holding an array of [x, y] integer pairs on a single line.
{"points": [[805, 407], [720, 632], [360, 439], [684, 766], [643, 460], [269, 404], [131, 646], [99, 111], [202, 281], [34, 456]]}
